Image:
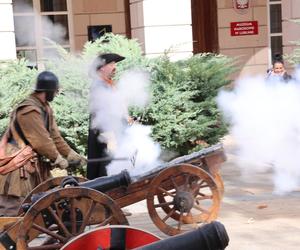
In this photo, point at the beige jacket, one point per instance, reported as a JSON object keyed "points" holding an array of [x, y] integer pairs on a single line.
{"points": [[39, 128]]}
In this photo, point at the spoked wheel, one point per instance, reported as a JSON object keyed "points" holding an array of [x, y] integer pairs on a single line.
{"points": [[65, 213], [45, 186], [182, 196]]}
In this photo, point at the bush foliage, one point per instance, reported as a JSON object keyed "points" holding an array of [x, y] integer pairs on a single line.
{"points": [[16, 80], [182, 111]]}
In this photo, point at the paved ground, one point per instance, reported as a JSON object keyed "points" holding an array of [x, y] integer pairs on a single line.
{"points": [[254, 217]]}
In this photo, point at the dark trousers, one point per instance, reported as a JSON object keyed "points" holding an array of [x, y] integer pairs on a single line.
{"points": [[96, 149]]}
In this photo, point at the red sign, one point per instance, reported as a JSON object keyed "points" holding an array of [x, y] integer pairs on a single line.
{"points": [[244, 28]]}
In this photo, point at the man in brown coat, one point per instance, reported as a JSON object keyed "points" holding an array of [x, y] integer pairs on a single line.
{"points": [[32, 123]]}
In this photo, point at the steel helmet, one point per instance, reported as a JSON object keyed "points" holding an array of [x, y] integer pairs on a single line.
{"points": [[46, 82]]}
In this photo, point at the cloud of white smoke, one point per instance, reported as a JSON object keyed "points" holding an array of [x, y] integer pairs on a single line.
{"points": [[110, 109], [26, 31], [265, 123]]}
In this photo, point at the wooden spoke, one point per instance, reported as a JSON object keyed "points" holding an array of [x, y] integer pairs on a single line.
{"points": [[87, 217], [202, 194], [164, 204], [169, 214], [203, 186], [206, 197], [199, 186], [73, 217], [50, 233], [166, 192], [59, 222], [187, 181], [201, 182], [174, 183]]}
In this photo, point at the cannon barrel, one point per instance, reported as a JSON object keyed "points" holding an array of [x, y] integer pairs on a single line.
{"points": [[211, 236], [101, 184], [106, 183]]}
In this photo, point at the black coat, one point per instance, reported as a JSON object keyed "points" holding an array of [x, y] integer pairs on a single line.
{"points": [[96, 149]]}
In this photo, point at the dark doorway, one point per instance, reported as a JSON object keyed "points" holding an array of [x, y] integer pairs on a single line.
{"points": [[205, 26]]}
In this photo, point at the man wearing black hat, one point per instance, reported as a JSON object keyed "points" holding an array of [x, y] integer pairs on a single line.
{"points": [[104, 71], [33, 124]]}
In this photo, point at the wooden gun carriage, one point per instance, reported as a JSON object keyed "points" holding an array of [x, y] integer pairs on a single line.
{"points": [[180, 195]]}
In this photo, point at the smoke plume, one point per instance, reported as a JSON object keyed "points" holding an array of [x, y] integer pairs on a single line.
{"points": [[26, 31], [110, 109], [265, 122]]}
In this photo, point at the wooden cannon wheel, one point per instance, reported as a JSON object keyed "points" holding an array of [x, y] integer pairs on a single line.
{"points": [[218, 180], [181, 196], [65, 213], [45, 186]]}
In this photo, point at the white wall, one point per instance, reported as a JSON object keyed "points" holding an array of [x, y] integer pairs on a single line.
{"points": [[162, 25], [7, 35]]}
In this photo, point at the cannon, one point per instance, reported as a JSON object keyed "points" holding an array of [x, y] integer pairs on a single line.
{"points": [[62, 213], [181, 195], [212, 236], [101, 184]]}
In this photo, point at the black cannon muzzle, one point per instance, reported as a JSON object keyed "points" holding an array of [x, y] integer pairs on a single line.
{"points": [[212, 236], [107, 183]]}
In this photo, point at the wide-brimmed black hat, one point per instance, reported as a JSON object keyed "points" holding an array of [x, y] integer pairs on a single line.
{"points": [[107, 58]]}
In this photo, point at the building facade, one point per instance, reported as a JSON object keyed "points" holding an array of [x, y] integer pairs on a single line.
{"points": [[251, 30]]}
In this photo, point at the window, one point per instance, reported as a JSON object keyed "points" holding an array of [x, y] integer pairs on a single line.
{"points": [[37, 21], [53, 5], [96, 31], [275, 28]]}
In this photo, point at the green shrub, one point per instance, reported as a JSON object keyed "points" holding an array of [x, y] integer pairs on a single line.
{"points": [[16, 82], [183, 110]]}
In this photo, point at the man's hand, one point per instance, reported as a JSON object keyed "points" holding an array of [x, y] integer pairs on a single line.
{"points": [[74, 157], [60, 162]]}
